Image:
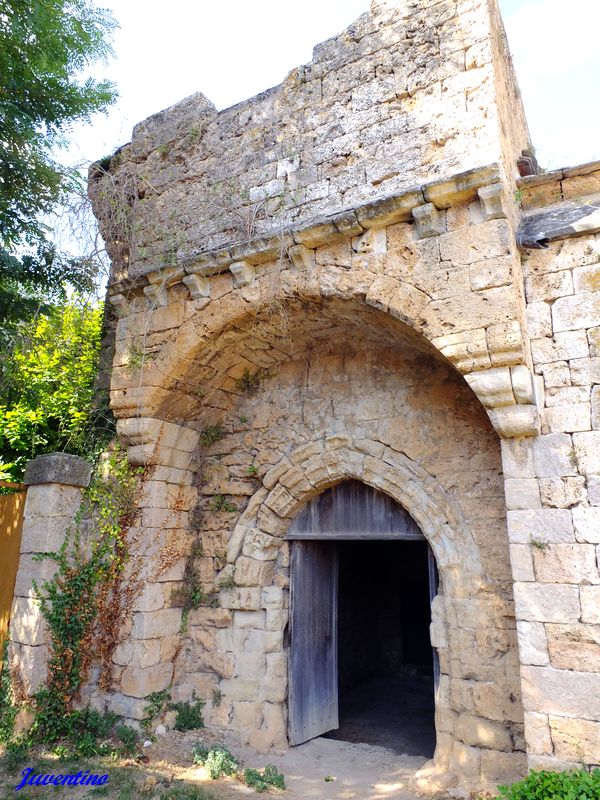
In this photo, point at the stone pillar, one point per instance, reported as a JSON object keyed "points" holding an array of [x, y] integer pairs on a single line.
{"points": [[160, 544], [55, 484]]}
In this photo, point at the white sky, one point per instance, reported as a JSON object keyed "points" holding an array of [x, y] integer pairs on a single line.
{"points": [[233, 49]]}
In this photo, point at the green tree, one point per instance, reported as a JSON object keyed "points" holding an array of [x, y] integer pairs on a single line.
{"points": [[46, 46], [47, 391]]}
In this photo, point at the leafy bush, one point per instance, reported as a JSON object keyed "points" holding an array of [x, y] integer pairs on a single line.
{"points": [[128, 737], [264, 780], [577, 785], [217, 760], [189, 715], [8, 711], [16, 753], [47, 386], [187, 793]]}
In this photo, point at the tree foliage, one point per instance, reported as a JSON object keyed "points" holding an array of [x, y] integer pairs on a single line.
{"points": [[47, 386], [45, 45]]}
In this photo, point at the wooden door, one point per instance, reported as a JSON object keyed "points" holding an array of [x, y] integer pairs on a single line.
{"points": [[313, 677]]}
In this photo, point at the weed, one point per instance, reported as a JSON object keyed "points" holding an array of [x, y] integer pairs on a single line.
{"points": [[263, 780], [217, 760], [252, 470], [189, 715], [220, 503], [539, 544], [16, 753], [244, 420], [217, 697], [187, 792], [211, 434], [518, 196], [128, 737], [250, 381], [228, 583], [554, 786], [155, 704]]}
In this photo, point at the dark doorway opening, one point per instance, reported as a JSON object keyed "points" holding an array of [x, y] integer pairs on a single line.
{"points": [[385, 659]]}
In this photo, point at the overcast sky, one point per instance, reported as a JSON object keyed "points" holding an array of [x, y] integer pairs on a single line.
{"points": [[233, 49]]}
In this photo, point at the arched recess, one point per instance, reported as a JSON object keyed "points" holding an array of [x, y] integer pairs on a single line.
{"points": [[265, 313]]}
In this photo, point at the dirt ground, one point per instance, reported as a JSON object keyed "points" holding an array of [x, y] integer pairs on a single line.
{"points": [[323, 768]]}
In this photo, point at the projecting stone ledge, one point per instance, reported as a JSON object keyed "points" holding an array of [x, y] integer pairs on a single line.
{"points": [[58, 468], [563, 221]]}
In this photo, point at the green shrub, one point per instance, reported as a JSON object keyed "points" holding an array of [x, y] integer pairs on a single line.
{"points": [[189, 715], [262, 781], [187, 793], [217, 760], [128, 737], [16, 753], [577, 785]]}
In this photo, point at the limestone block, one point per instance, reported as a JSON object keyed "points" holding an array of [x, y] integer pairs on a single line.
{"points": [[260, 545], [480, 732], [31, 665], [250, 572], [238, 689], [491, 272], [555, 374], [199, 287], [491, 198], [27, 625], [493, 387], [548, 287], [566, 563], [575, 739], [250, 666], [537, 734], [522, 493], [522, 384], [52, 500], [595, 397], [145, 653], [587, 278], [372, 241], [155, 624], [590, 604], [587, 525], [560, 347], [502, 768], [587, 452], [521, 561], [574, 647], [467, 759], [243, 273], [272, 598], [568, 419], [561, 692], [539, 320], [504, 339], [44, 534], [576, 312], [515, 420], [129, 707], [467, 350], [546, 525], [428, 221], [476, 243], [567, 395], [562, 492], [58, 468], [517, 458], [245, 598], [533, 643], [136, 682], [539, 603], [248, 619], [31, 569], [551, 763], [151, 598], [259, 641], [494, 702], [553, 455], [585, 371]]}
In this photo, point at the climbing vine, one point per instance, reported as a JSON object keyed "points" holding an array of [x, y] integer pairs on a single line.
{"points": [[86, 601]]}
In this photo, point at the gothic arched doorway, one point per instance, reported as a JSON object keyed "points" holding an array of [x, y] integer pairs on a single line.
{"points": [[361, 663]]}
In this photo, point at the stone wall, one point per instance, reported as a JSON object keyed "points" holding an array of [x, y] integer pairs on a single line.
{"points": [[411, 92], [324, 283], [553, 489]]}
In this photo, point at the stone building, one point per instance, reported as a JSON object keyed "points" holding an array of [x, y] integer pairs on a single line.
{"points": [[356, 346]]}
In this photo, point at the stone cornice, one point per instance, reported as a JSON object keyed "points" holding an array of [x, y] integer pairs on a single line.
{"points": [[428, 198]]}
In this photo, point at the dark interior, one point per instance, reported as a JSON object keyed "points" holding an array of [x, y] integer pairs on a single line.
{"points": [[385, 660]]}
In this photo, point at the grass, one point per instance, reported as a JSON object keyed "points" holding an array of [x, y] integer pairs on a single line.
{"points": [[127, 780]]}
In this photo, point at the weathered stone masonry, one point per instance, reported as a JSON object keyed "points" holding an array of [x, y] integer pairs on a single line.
{"points": [[330, 272]]}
